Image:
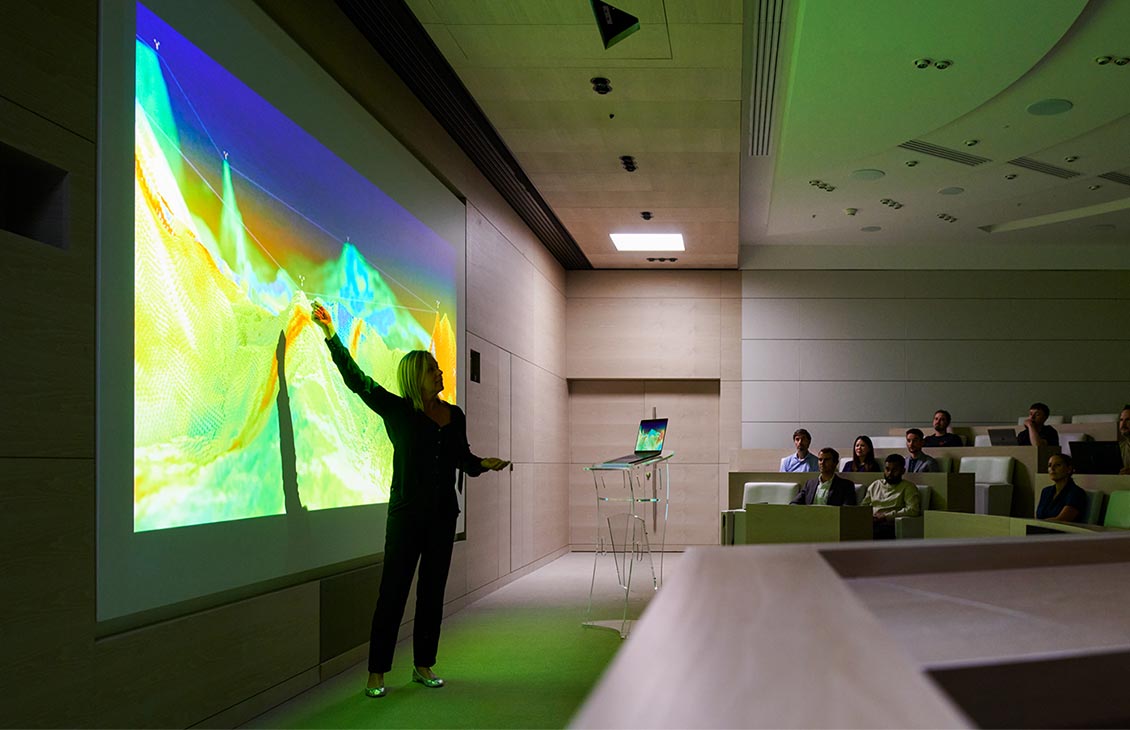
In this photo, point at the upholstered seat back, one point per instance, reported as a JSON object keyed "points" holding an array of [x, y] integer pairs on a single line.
{"points": [[1095, 418], [1094, 507], [1118, 510], [988, 469], [769, 492]]}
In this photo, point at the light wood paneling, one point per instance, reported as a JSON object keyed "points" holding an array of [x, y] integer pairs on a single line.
{"points": [[645, 338], [603, 418], [178, 672], [521, 515], [47, 580], [770, 359], [692, 408], [646, 284], [548, 317], [729, 419], [730, 336], [48, 356], [481, 494], [550, 499], [540, 421], [497, 313], [693, 517]]}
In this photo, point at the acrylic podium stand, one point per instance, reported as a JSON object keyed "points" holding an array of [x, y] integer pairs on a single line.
{"points": [[631, 520]]}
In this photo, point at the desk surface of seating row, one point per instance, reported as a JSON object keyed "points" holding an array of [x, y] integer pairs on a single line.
{"points": [[846, 635]]}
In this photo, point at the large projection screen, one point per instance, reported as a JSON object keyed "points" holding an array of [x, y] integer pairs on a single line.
{"points": [[239, 183]]}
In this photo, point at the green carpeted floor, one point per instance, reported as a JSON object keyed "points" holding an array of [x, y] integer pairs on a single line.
{"points": [[517, 658]]}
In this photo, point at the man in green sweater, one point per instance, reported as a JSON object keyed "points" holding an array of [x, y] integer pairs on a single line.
{"points": [[891, 497]]}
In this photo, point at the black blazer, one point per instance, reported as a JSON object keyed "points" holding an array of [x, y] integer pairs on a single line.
{"points": [[841, 492]]}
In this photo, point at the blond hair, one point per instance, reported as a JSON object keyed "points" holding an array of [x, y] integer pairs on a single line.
{"points": [[410, 376]]}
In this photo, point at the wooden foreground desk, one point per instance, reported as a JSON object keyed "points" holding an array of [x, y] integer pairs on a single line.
{"points": [[849, 635]]}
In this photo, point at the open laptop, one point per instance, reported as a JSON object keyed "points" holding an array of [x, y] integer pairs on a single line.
{"points": [[1002, 437], [1096, 457], [649, 441]]}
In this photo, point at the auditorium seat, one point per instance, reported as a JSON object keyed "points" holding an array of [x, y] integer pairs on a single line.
{"points": [[993, 483], [888, 442], [912, 527], [769, 492], [1118, 510], [1095, 418], [1094, 507]]}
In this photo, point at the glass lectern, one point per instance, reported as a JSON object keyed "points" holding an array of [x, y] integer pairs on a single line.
{"points": [[632, 501]]}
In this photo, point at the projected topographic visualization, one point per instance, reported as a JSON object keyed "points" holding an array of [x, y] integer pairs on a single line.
{"points": [[241, 220]]}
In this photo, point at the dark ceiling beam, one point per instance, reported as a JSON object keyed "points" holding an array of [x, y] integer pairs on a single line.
{"points": [[398, 36]]}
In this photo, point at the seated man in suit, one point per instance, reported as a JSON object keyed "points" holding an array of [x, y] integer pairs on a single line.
{"points": [[827, 488], [891, 497], [941, 436], [803, 460], [1035, 431], [919, 461]]}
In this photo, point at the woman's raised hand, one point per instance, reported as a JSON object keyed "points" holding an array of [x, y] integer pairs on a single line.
{"points": [[323, 319]]}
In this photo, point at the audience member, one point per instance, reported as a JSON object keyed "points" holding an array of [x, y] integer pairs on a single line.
{"points": [[1035, 432], [802, 460], [891, 497], [941, 436], [1124, 437], [863, 458], [1064, 500], [827, 488], [919, 461]]}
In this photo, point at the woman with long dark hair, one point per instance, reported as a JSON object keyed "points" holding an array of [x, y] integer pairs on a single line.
{"points": [[429, 439], [863, 456]]}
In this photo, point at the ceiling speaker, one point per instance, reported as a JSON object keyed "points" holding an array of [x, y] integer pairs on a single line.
{"points": [[615, 24]]}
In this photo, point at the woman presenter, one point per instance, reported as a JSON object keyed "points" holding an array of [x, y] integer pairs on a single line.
{"points": [[429, 439]]}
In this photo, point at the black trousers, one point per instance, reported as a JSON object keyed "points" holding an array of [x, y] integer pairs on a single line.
{"points": [[412, 539]]}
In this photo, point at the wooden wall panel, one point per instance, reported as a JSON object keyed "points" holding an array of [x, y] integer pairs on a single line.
{"points": [[499, 314], [48, 355], [643, 338], [175, 673], [47, 580], [49, 53]]}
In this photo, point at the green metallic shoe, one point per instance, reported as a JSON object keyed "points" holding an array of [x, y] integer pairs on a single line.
{"points": [[375, 691], [432, 683]]}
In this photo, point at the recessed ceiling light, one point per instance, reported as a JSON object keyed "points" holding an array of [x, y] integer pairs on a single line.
{"points": [[647, 241], [1046, 107], [871, 229], [952, 191], [867, 174]]}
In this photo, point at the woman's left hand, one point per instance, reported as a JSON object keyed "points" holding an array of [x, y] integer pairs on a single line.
{"points": [[494, 464]]}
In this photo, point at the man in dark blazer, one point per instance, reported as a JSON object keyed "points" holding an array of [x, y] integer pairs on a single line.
{"points": [[827, 488]]}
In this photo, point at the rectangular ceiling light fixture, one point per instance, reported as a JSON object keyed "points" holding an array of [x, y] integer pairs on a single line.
{"points": [[648, 241]]}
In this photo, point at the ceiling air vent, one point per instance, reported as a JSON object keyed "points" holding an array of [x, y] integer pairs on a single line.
{"points": [[767, 30], [1045, 168], [944, 152], [1117, 177]]}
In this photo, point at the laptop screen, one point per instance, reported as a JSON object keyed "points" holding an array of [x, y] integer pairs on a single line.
{"points": [[651, 435]]}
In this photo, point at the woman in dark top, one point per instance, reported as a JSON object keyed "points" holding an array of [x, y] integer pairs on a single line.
{"points": [[429, 439], [863, 456], [1063, 501]]}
